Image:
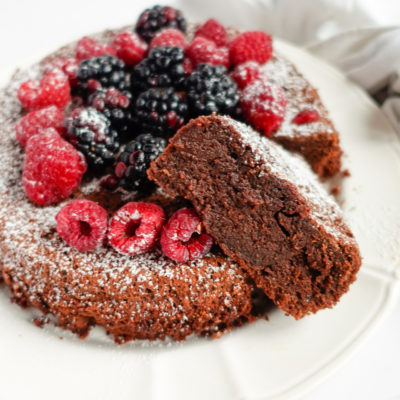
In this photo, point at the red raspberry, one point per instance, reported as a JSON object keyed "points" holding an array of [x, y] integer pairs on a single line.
{"points": [[169, 37], [306, 116], [88, 48], [53, 168], [264, 106], [130, 47], [188, 66], [82, 224], [36, 121], [202, 50], [254, 45], [246, 73], [213, 30], [69, 66], [53, 89], [134, 228], [181, 237]]}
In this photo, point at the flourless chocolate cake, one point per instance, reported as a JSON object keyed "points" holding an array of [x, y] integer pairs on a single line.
{"points": [[266, 210]]}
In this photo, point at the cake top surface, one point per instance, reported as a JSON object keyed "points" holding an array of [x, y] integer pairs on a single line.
{"points": [[29, 235]]}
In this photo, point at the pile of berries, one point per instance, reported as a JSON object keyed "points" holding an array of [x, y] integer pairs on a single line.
{"points": [[111, 108], [136, 228]]}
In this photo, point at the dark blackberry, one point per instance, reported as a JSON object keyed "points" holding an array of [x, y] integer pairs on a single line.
{"points": [[160, 111], [91, 133], [163, 67], [104, 71], [116, 106], [153, 19], [134, 161], [210, 89]]}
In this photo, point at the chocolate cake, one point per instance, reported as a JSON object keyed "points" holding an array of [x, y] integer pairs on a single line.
{"points": [[318, 141], [266, 210], [273, 230]]}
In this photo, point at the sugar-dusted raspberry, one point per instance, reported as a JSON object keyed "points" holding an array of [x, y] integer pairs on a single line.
{"points": [[203, 50], [134, 228], [214, 31], [263, 105], [82, 224], [52, 89], [69, 66], [88, 48], [246, 73], [182, 238], [53, 168], [130, 47], [36, 121], [251, 46], [169, 37], [306, 116]]}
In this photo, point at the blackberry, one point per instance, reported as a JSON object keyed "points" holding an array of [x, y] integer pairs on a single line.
{"points": [[210, 89], [160, 111], [104, 71], [135, 160], [116, 106], [156, 18], [163, 67], [91, 133]]}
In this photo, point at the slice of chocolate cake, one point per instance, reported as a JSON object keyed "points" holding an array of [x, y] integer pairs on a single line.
{"points": [[266, 210]]}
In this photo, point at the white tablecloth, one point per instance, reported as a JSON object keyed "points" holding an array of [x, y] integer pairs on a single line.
{"points": [[360, 37]]}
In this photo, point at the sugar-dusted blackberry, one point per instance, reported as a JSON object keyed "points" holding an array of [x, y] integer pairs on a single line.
{"points": [[163, 67], [91, 133], [104, 71], [134, 161], [160, 111], [210, 89], [156, 18], [116, 106]]}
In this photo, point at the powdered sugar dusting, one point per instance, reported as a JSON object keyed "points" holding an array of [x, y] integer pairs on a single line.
{"points": [[292, 168], [300, 96], [145, 297]]}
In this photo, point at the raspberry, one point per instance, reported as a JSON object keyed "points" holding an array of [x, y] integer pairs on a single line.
{"points": [[214, 31], [152, 20], [88, 48], [202, 50], [53, 169], [264, 106], [251, 46], [82, 224], [69, 66], [134, 228], [246, 73], [53, 89], [187, 66], [182, 239], [169, 37], [36, 121], [306, 116], [130, 47]]}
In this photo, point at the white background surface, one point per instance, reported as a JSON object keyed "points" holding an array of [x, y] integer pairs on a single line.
{"points": [[29, 29]]}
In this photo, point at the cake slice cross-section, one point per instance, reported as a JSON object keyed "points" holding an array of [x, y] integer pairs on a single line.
{"points": [[266, 210]]}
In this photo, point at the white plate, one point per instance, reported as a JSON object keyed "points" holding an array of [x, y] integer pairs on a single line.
{"points": [[279, 359]]}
